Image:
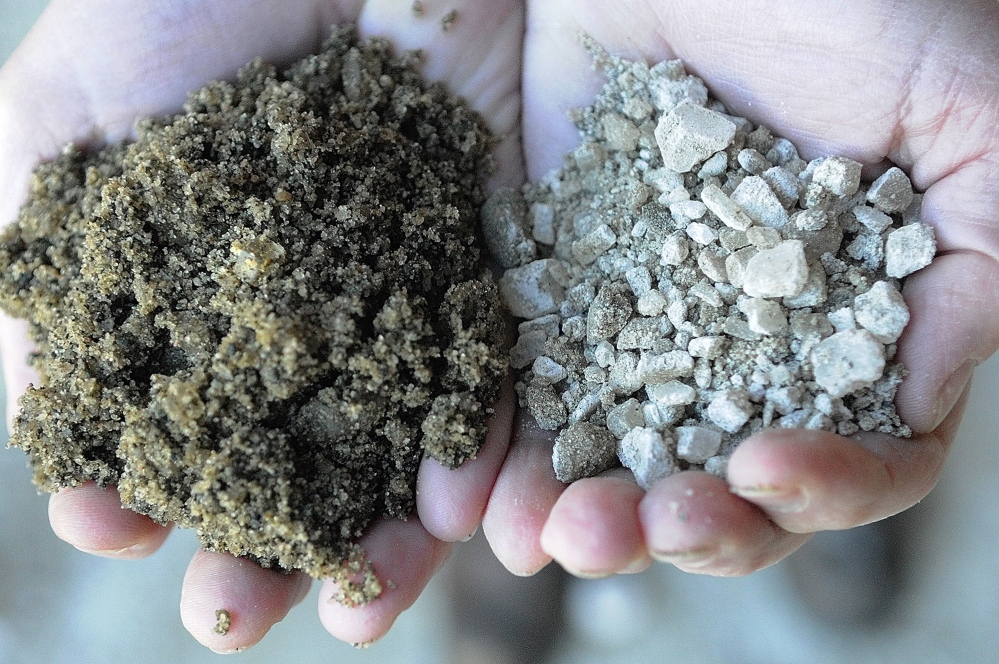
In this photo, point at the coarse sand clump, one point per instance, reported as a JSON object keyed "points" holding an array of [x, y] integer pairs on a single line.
{"points": [[258, 317], [687, 280]]}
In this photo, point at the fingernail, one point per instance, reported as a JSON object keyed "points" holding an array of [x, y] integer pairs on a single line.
{"points": [[684, 556], [586, 576], [470, 535], [527, 573], [951, 391], [134, 551], [775, 498], [637, 566]]}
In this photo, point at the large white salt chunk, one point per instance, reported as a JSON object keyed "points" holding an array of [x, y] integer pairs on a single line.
{"points": [[908, 249], [764, 316], [701, 233], [663, 179], [667, 92], [882, 311], [778, 272], [586, 407], [688, 209], [848, 361], [707, 346], [874, 219], [689, 134], [656, 368], [543, 223], [892, 192], [642, 333], [759, 201], [842, 319], [814, 292], [549, 324], [651, 303], [784, 184], [592, 245], [603, 354], [534, 289], [697, 444], [707, 293], [839, 175], [675, 249], [725, 208], [730, 409], [717, 466], [646, 453], [671, 393], [785, 400], [736, 263], [548, 370], [763, 237], [640, 280], [624, 378], [624, 417], [712, 264]]}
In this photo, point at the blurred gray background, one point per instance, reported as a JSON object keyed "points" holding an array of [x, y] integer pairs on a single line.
{"points": [[60, 606]]}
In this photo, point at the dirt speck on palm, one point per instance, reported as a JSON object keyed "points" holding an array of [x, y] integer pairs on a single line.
{"points": [[257, 318]]}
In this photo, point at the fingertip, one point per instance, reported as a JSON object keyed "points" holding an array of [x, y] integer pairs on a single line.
{"points": [[692, 521], [228, 604], [957, 287], [521, 500], [439, 501], [593, 530], [92, 519], [808, 481], [404, 557], [451, 502]]}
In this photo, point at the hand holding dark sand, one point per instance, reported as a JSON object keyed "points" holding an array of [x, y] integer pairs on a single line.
{"points": [[88, 80]]}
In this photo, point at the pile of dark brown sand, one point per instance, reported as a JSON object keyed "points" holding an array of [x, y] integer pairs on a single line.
{"points": [[258, 317]]}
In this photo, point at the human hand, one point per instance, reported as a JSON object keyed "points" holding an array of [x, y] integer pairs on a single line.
{"points": [[86, 73], [912, 84]]}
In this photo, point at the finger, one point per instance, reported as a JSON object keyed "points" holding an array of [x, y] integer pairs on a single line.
{"points": [[693, 521], [404, 557], [593, 530], [522, 498], [960, 289], [254, 598], [93, 520], [451, 502], [478, 55], [808, 481]]}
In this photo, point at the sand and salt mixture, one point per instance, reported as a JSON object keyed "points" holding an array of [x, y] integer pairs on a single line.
{"points": [[243, 318], [687, 280]]}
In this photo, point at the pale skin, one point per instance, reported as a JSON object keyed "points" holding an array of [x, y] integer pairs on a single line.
{"points": [[910, 83]]}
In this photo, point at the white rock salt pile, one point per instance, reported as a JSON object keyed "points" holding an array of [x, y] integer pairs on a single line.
{"points": [[686, 280]]}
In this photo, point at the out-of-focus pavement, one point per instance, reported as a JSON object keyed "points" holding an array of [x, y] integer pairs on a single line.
{"points": [[60, 606]]}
